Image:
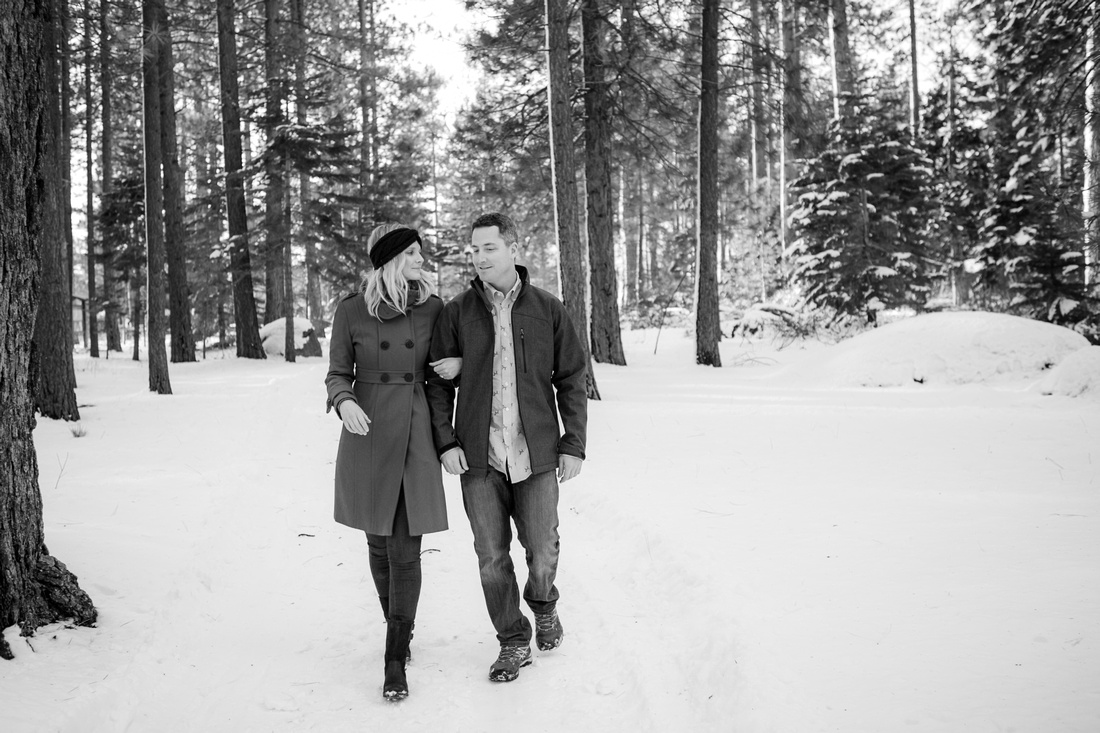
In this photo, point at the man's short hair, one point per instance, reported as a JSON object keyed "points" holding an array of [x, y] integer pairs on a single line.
{"points": [[503, 223]]}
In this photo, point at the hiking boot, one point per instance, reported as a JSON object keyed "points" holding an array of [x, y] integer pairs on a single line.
{"points": [[548, 630], [510, 659]]}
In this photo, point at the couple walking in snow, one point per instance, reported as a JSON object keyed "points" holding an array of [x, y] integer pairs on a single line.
{"points": [[398, 358]]}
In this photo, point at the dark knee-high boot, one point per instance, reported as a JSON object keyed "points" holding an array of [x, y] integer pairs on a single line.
{"points": [[398, 633], [385, 601]]}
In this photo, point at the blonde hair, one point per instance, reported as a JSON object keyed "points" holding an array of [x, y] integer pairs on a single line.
{"points": [[387, 284]]}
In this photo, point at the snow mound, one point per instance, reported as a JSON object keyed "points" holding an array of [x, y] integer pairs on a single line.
{"points": [[948, 348], [273, 335], [1075, 376]]}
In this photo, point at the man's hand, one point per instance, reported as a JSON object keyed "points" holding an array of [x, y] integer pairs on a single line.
{"points": [[355, 420], [448, 367], [454, 461], [568, 466]]}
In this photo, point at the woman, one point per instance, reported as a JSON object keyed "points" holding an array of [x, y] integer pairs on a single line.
{"points": [[388, 479]]}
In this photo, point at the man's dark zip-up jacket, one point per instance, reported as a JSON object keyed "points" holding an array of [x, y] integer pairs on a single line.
{"points": [[550, 376]]}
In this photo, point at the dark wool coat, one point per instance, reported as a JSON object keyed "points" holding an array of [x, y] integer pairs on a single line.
{"points": [[383, 365], [550, 377]]}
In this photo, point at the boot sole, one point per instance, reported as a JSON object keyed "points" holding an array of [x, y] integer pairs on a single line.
{"points": [[545, 646]]}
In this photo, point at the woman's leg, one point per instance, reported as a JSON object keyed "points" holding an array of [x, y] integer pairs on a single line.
{"points": [[404, 554], [403, 551], [379, 558]]}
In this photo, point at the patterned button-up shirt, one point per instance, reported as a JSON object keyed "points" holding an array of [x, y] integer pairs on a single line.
{"points": [[508, 451]]}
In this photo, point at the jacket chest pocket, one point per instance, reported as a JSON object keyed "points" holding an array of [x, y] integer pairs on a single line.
{"points": [[534, 344]]}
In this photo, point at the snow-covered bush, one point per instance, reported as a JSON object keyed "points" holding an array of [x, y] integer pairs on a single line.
{"points": [[273, 336], [947, 348], [1075, 376]]}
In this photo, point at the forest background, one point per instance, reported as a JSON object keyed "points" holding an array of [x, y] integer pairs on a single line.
{"points": [[215, 166]]}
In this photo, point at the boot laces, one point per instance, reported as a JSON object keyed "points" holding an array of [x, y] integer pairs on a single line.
{"points": [[546, 621]]}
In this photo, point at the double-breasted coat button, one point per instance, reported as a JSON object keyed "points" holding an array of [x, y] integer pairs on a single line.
{"points": [[409, 344], [385, 344], [385, 378], [408, 377]]}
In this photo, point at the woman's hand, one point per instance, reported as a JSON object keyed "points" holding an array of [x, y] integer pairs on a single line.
{"points": [[448, 367], [355, 420]]}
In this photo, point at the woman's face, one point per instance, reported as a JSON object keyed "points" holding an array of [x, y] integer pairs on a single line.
{"points": [[413, 262]]}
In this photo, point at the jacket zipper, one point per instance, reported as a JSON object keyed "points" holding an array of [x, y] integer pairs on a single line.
{"points": [[523, 348]]}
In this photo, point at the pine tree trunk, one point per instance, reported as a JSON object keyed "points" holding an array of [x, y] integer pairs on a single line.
{"points": [[35, 588], [89, 213], [154, 199], [66, 143], [790, 114], [313, 281], [290, 342], [137, 315], [275, 229], [758, 120], [368, 104], [843, 77], [607, 346], [54, 380], [645, 273], [707, 328], [179, 296], [110, 287], [1092, 146], [571, 252], [630, 175], [249, 345], [914, 87], [632, 167]]}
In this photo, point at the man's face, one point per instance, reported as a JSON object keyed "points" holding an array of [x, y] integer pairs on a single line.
{"points": [[493, 258]]}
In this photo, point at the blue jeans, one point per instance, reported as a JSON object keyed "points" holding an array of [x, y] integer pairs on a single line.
{"points": [[491, 501]]}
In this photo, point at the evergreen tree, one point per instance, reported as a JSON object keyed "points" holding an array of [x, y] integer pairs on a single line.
{"points": [[860, 221], [35, 588]]}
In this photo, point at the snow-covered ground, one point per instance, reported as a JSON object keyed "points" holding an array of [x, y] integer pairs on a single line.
{"points": [[753, 548]]}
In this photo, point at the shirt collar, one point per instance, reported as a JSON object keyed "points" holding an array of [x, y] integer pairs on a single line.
{"points": [[498, 296]]}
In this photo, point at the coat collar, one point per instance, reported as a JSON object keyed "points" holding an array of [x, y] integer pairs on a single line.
{"points": [[388, 313]]}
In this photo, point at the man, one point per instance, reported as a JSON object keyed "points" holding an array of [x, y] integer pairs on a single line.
{"points": [[522, 365]]}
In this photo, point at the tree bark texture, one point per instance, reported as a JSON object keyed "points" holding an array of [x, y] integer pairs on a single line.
{"points": [[35, 589], [65, 148], [154, 198], [368, 103], [843, 76], [313, 280], [110, 288], [89, 181], [275, 224], [791, 112], [708, 331], [607, 345], [758, 117], [179, 296], [1092, 146], [249, 345], [289, 341], [564, 173], [631, 189], [136, 315], [53, 377], [914, 86]]}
